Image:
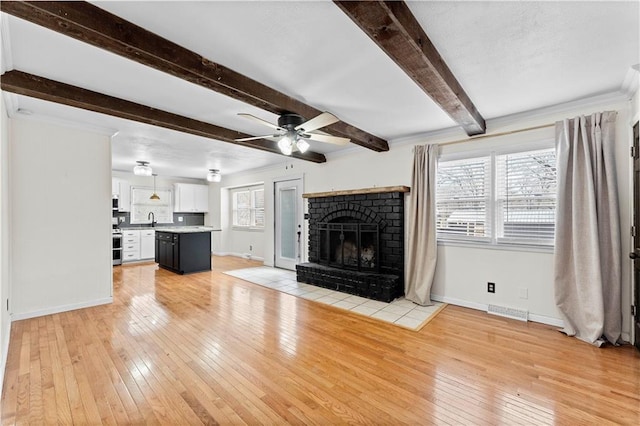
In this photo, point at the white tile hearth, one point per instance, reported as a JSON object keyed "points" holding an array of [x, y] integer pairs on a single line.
{"points": [[401, 312]]}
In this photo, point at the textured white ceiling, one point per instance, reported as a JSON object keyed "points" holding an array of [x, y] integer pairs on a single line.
{"points": [[508, 56]]}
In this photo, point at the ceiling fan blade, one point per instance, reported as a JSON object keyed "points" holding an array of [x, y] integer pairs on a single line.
{"points": [[259, 120], [326, 138], [253, 138], [317, 122]]}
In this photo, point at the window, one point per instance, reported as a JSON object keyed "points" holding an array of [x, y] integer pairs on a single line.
{"points": [[498, 198], [463, 197], [248, 208], [526, 197], [142, 205]]}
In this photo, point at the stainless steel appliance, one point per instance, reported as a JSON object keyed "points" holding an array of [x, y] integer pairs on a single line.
{"points": [[117, 246]]}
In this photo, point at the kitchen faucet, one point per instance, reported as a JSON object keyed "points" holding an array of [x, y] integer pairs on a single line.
{"points": [[153, 219]]}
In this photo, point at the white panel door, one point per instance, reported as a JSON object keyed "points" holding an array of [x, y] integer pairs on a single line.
{"points": [[288, 223]]}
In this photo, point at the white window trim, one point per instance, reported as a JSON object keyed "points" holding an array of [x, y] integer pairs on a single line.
{"points": [[494, 242]]}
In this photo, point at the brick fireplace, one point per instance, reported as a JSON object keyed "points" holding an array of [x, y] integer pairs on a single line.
{"points": [[356, 242]]}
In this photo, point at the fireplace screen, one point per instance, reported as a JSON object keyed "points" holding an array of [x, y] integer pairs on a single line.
{"points": [[349, 245]]}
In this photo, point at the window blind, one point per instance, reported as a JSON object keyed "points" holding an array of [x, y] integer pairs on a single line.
{"points": [[248, 208], [258, 208], [526, 197], [463, 191], [242, 208]]}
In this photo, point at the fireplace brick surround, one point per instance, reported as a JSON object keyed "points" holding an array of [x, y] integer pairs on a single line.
{"points": [[377, 270]]}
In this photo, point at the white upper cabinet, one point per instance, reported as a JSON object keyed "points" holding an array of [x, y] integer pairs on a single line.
{"points": [[121, 190], [124, 205], [190, 198], [201, 196], [115, 187]]}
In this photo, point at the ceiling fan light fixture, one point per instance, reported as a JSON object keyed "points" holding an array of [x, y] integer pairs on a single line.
{"points": [[214, 175], [302, 145], [142, 169], [293, 129], [286, 145]]}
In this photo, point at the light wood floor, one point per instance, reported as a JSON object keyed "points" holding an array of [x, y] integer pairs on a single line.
{"points": [[210, 348]]}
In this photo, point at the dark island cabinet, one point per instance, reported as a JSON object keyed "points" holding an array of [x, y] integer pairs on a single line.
{"points": [[183, 252]]}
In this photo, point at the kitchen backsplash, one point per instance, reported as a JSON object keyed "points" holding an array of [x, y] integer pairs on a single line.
{"points": [[188, 219]]}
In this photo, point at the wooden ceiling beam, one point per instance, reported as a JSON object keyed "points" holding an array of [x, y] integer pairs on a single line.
{"points": [[34, 86], [392, 26], [90, 24]]}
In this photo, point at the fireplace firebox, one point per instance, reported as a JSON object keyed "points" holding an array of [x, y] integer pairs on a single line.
{"points": [[349, 245], [356, 242]]}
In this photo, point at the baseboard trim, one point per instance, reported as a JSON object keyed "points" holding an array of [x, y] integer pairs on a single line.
{"points": [[459, 302], [58, 309], [543, 319], [483, 307], [242, 255]]}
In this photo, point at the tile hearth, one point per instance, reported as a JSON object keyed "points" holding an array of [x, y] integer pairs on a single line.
{"points": [[401, 312]]}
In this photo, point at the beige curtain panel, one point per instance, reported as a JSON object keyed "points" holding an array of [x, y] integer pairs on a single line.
{"points": [[422, 250], [588, 251]]}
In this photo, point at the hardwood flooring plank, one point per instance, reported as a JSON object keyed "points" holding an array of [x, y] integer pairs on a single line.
{"points": [[62, 408], [10, 389], [208, 348], [120, 393]]}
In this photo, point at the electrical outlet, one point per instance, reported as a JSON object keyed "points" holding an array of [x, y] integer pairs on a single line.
{"points": [[180, 218], [250, 248], [524, 293], [491, 287]]}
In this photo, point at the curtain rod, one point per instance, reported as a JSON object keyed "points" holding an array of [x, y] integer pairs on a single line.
{"points": [[511, 132]]}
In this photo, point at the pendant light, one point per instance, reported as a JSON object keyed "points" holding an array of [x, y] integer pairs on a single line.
{"points": [[154, 196], [214, 175], [142, 169]]}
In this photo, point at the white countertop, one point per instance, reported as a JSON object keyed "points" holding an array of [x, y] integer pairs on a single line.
{"points": [[176, 229], [185, 229]]}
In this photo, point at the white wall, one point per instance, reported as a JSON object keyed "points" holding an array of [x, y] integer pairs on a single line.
{"points": [[60, 218], [463, 272], [5, 319]]}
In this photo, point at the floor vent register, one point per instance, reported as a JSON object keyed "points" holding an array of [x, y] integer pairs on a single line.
{"points": [[513, 313]]}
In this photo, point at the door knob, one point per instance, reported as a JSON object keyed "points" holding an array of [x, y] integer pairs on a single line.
{"points": [[633, 255]]}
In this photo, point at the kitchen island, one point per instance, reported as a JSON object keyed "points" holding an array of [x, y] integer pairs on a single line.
{"points": [[184, 250]]}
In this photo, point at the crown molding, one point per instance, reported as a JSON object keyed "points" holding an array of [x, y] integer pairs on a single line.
{"points": [[631, 81], [537, 116]]}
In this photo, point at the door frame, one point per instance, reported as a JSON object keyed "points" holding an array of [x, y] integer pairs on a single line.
{"points": [[302, 255], [635, 237]]}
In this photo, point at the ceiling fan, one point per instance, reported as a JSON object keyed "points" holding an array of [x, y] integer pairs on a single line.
{"points": [[293, 130]]}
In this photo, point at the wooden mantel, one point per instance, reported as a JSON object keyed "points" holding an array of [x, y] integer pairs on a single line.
{"points": [[375, 190]]}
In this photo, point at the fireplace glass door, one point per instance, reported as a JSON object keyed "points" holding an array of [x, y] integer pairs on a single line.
{"points": [[349, 245]]}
